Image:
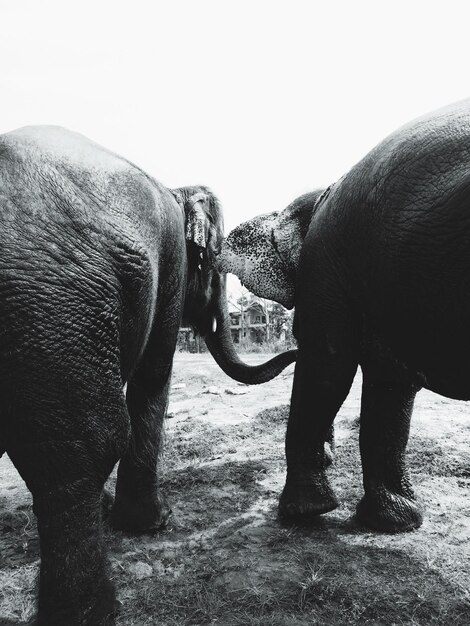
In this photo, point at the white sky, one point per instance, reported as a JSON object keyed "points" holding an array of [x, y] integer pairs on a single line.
{"points": [[259, 99]]}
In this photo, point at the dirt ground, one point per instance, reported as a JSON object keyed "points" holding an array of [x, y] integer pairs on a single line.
{"points": [[227, 560]]}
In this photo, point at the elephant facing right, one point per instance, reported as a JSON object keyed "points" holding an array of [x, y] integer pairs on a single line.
{"points": [[378, 269]]}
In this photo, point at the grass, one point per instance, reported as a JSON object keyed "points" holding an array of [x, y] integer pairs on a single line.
{"points": [[253, 572], [227, 560], [315, 588], [435, 459]]}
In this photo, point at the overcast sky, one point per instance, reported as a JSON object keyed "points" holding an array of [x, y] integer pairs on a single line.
{"points": [[261, 100]]}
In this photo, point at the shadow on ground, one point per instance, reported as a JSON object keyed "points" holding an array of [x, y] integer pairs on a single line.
{"points": [[227, 560]]}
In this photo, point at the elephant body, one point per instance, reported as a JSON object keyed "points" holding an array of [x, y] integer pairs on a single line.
{"points": [[98, 265], [382, 281], [397, 231]]}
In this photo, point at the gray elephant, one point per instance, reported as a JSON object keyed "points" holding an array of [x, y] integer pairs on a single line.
{"points": [[99, 263], [378, 268]]}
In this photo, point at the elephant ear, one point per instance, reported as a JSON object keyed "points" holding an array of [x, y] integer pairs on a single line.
{"points": [[196, 219], [291, 227], [178, 196], [287, 239]]}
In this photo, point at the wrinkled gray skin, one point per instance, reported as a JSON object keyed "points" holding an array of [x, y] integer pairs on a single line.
{"points": [[264, 252], [98, 264], [382, 280]]}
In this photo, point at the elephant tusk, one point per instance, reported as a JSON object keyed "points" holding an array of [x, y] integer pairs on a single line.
{"points": [[214, 324]]}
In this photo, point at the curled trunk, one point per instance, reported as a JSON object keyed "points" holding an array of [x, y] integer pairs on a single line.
{"points": [[220, 344]]}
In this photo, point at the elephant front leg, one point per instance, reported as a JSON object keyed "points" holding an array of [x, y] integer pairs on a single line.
{"points": [[139, 505], [319, 390], [389, 503]]}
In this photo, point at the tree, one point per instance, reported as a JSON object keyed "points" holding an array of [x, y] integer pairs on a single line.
{"points": [[276, 319], [240, 299], [280, 319]]}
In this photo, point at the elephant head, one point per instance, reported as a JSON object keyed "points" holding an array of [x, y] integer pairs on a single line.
{"points": [[264, 252], [205, 307]]}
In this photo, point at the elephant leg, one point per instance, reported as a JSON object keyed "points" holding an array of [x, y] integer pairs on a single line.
{"points": [[389, 503], [139, 505], [65, 471], [322, 381]]}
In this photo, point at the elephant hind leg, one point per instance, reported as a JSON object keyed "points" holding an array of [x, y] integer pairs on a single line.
{"points": [[140, 505], [389, 503], [328, 334], [65, 465], [319, 390]]}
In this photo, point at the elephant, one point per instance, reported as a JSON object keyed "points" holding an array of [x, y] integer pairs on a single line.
{"points": [[377, 268], [99, 265]]}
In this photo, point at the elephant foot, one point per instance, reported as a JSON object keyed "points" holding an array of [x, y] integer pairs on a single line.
{"points": [[306, 494], [105, 611], [389, 512], [102, 612], [139, 515]]}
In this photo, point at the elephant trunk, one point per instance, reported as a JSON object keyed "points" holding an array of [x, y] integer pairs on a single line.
{"points": [[220, 343]]}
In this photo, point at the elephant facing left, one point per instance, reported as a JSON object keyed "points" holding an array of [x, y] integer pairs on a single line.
{"points": [[99, 264]]}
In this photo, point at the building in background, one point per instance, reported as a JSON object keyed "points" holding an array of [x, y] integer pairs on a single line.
{"points": [[249, 321], [253, 322]]}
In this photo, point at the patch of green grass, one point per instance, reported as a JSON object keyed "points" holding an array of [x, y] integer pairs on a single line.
{"points": [[368, 585], [243, 474], [191, 440], [211, 493], [314, 575], [312, 580], [18, 593], [228, 561], [427, 456], [276, 415]]}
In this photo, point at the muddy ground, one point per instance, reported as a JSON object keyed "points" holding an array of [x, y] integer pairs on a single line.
{"points": [[226, 559]]}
